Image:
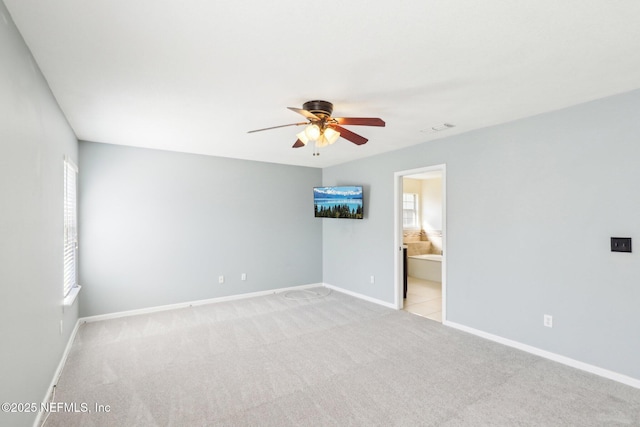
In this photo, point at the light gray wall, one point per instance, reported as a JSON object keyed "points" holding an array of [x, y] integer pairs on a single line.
{"points": [[34, 137], [531, 206], [159, 227]]}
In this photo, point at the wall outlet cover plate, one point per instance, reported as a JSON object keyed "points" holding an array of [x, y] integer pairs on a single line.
{"points": [[621, 244]]}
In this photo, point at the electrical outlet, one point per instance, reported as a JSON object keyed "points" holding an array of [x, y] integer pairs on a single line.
{"points": [[548, 321], [621, 244], [220, 279], [243, 276], [61, 327], [373, 279]]}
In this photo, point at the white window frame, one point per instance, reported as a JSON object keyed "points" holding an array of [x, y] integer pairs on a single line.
{"points": [[410, 211], [70, 285]]}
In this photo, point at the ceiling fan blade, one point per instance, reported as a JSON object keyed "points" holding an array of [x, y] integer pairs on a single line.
{"points": [[307, 114], [350, 136], [298, 144], [360, 121], [276, 127]]}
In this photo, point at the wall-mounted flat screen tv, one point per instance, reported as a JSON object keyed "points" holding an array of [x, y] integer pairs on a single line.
{"points": [[338, 202]]}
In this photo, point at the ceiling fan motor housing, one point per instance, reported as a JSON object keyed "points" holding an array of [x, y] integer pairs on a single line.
{"points": [[319, 108]]}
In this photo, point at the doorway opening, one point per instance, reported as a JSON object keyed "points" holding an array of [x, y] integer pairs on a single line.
{"points": [[420, 240]]}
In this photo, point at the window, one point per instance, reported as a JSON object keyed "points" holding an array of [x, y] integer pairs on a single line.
{"points": [[410, 210], [70, 230]]}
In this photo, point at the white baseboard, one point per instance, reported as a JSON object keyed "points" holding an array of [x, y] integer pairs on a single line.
{"points": [[136, 312], [624, 379], [57, 373], [360, 296]]}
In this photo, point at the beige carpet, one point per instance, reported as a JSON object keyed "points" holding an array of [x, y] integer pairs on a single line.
{"points": [[334, 360]]}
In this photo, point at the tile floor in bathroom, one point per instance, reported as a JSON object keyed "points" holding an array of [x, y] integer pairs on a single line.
{"points": [[424, 298]]}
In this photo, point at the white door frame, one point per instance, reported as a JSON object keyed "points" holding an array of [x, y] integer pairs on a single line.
{"points": [[397, 216]]}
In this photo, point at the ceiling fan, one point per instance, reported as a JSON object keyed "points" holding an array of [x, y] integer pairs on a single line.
{"points": [[323, 129]]}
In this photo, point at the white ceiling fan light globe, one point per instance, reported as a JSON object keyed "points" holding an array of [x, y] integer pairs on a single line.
{"points": [[302, 136], [313, 132], [331, 135], [322, 141]]}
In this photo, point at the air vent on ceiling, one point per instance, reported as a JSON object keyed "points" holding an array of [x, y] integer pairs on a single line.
{"points": [[438, 128]]}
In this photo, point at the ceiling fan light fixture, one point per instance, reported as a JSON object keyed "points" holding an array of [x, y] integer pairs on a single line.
{"points": [[302, 136], [331, 135], [312, 132], [322, 141]]}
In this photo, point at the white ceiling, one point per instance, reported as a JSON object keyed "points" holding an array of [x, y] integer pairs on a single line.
{"points": [[196, 75]]}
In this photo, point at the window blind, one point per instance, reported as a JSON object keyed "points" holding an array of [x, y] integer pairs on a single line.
{"points": [[70, 226], [409, 210]]}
